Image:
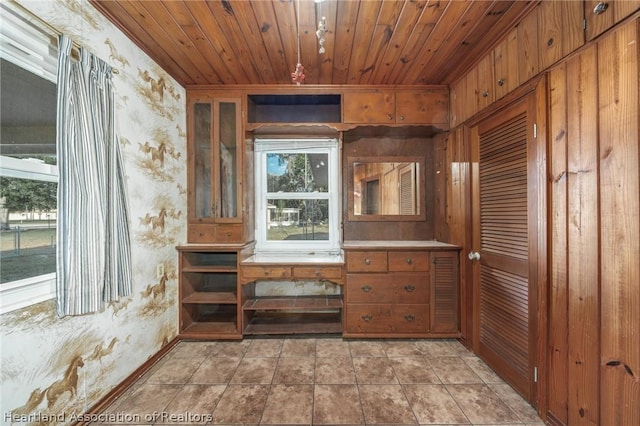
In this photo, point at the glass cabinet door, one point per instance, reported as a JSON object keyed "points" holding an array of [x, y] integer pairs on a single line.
{"points": [[216, 179]]}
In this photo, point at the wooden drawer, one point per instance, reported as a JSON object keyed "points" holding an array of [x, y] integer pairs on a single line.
{"points": [[208, 233], [390, 289], [387, 319], [367, 261], [318, 272], [267, 272], [408, 261]]}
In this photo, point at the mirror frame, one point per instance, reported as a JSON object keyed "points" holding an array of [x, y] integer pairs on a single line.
{"points": [[421, 216]]}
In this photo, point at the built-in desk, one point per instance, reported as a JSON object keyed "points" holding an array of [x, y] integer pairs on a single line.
{"points": [[399, 289], [291, 314]]}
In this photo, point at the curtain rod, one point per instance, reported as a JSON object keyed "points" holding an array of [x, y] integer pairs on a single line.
{"points": [[53, 31]]}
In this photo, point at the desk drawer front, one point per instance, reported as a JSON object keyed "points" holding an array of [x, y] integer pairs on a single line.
{"points": [[265, 272], [317, 272], [408, 261], [387, 319], [382, 288], [367, 261]]}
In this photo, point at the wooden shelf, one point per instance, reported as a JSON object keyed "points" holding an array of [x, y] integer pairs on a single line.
{"points": [[293, 303], [212, 297], [294, 323], [209, 326]]}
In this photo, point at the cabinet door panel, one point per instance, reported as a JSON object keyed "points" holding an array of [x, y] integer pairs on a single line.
{"points": [[375, 107], [422, 108]]}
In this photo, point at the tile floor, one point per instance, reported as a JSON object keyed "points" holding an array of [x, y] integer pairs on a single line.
{"points": [[321, 381]]}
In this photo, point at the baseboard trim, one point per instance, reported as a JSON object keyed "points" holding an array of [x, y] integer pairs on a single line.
{"points": [[122, 387], [552, 420]]}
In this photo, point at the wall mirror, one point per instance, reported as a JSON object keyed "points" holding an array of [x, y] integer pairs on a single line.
{"points": [[386, 188]]}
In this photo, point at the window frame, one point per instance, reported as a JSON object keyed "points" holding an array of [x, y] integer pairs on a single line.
{"points": [[22, 30], [299, 248]]}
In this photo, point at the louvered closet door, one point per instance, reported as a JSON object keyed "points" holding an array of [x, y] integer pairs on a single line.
{"points": [[502, 228]]}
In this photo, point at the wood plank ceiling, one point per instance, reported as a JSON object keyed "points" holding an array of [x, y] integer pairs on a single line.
{"points": [[376, 42]]}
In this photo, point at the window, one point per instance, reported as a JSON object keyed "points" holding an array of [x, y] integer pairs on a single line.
{"points": [[28, 172], [297, 197]]}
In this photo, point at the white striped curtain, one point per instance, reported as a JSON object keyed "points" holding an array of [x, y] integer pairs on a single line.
{"points": [[93, 242]]}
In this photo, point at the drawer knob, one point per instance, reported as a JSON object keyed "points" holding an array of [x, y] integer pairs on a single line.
{"points": [[367, 318], [409, 317], [409, 288], [367, 261], [501, 82], [409, 261], [365, 288]]}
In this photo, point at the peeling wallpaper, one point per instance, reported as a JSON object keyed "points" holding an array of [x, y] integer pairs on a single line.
{"points": [[54, 368]]}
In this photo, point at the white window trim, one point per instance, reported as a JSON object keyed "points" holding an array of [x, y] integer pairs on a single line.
{"points": [[28, 291], [303, 248]]}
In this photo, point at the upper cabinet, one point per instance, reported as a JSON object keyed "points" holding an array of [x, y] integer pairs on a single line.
{"points": [[602, 15], [215, 170], [397, 107]]}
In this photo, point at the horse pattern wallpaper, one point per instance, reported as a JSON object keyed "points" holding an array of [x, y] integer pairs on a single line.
{"points": [[56, 368]]}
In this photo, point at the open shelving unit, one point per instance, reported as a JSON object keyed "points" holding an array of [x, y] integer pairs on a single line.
{"points": [[208, 292], [293, 314]]}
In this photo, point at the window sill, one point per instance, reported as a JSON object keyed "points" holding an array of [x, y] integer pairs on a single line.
{"points": [[29, 291]]}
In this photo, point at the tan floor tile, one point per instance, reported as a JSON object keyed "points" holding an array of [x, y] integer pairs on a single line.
{"points": [[264, 348], [255, 370], [525, 412], [432, 404], [481, 405], [337, 404], [191, 349], [175, 370], [295, 370], [385, 404], [334, 371], [459, 348], [289, 404], [453, 370], [482, 370], [436, 348], [241, 404], [374, 371], [216, 370], [403, 348], [413, 370], [149, 398], [193, 404], [298, 348], [329, 347], [367, 348], [230, 349]]}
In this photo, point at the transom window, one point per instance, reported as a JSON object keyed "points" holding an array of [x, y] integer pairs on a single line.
{"points": [[297, 201]]}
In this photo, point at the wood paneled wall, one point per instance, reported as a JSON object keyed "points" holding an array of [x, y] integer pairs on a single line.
{"points": [[592, 371], [594, 315]]}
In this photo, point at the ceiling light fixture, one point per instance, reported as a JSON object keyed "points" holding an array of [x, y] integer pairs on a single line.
{"points": [[297, 76]]}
